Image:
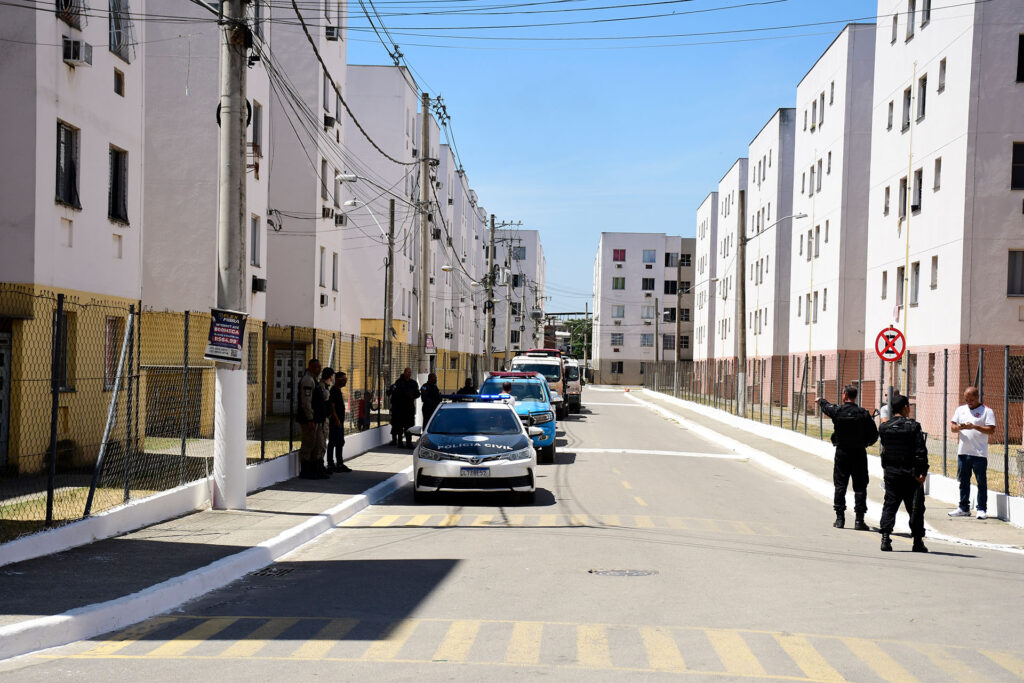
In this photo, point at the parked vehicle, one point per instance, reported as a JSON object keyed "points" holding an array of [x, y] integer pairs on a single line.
{"points": [[552, 370], [533, 404], [573, 381]]}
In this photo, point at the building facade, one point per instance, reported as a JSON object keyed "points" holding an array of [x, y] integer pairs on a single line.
{"points": [[732, 197], [520, 254], [705, 286]]}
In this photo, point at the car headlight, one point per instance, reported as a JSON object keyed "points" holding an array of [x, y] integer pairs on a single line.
{"points": [[517, 455], [427, 454], [541, 418]]}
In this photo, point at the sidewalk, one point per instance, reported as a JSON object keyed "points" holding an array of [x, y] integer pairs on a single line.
{"points": [[969, 530], [67, 596]]}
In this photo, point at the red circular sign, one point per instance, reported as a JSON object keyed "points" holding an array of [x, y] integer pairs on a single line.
{"points": [[890, 344]]}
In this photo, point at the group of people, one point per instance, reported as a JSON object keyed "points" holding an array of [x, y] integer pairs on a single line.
{"points": [[403, 394], [321, 415], [904, 453]]}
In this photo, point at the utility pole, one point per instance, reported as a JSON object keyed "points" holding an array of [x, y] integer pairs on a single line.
{"points": [[389, 293], [741, 308], [229, 481], [522, 317], [489, 304], [586, 329], [424, 292], [508, 305]]}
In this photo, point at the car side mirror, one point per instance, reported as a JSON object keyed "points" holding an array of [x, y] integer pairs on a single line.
{"points": [[415, 431], [535, 431]]}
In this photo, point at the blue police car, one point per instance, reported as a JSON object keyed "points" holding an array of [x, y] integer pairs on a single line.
{"points": [[475, 443], [533, 403]]}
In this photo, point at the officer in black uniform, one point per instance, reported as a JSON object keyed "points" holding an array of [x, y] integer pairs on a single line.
{"points": [[905, 461], [854, 432]]}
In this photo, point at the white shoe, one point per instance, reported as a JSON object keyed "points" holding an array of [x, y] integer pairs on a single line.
{"points": [[959, 513], [982, 514]]}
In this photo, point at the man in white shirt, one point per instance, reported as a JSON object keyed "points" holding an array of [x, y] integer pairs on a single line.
{"points": [[972, 422]]}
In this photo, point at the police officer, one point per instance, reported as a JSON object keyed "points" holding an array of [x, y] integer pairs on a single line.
{"points": [[854, 432], [304, 416], [905, 461], [404, 393], [321, 421], [431, 398]]}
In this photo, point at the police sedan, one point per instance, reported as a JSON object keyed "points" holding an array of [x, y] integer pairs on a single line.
{"points": [[475, 444]]}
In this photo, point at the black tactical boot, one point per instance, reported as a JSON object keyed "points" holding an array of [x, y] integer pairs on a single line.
{"points": [[840, 519], [886, 543], [919, 546], [859, 523]]}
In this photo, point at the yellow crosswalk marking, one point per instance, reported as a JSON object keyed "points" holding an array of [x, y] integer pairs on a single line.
{"points": [[592, 646], [255, 641], [644, 522], [516, 520], [1011, 663], [319, 645], [482, 520], [127, 637], [627, 484], [640, 501], [662, 651], [458, 641], [418, 520], [615, 470], [524, 647], [878, 660], [579, 520], [193, 637], [388, 648], [611, 520], [677, 523], [735, 655], [548, 520], [808, 659], [948, 662], [385, 520], [450, 520]]}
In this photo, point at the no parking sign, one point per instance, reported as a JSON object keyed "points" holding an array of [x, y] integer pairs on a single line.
{"points": [[890, 344]]}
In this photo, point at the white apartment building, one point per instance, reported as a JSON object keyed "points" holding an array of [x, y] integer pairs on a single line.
{"points": [[704, 286], [732, 189], [829, 246], [521, 254], [769, 235], [945, 253], [639, 294]]}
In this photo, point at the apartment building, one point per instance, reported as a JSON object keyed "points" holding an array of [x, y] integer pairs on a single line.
{"points": [[704, 288], [732, 190], [945, 252], [520, 254], [830, 188], [71, 186], [769, 234], [639, 295]]}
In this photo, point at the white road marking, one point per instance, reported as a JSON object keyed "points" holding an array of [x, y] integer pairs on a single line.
{"points": [[622, 405], [677, 454]]}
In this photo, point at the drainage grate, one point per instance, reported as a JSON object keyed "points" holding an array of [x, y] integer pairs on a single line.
{"points": [[623, 572], [273, 571]]}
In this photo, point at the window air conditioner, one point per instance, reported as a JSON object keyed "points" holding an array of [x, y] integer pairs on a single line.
{"points": [[329, 121], [435, 233], [618, 322], [340, 218], [431, 280], [327, 212], [323, 301], [333, 33], [618, 265], [447, 335], [451, 200], [518, 318], [648, 266], [259, 284], [77, 52], [647, 322], [615, 350], [647, 294]]}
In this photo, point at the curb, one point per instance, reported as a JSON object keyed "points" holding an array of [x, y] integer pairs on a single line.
{"points": [[92, 620], [818, 486]]}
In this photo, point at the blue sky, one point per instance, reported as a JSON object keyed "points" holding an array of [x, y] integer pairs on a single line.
{"points": [[573, 140]]}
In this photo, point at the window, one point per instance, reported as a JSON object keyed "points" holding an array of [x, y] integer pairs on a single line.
{"points": [[668, 342], [669, 315], [810, 188], [1017, 170], [70, 12], [324, 194], [922, 92], [942, 74], [327, 92], [885, 203], [516, 308], [885, 284], [650, 256], [889, 123], [618, 254], [252, 366], [618, 311], [803, 183], [616, 339], [935, 272], [903, 198], [1015, 273], [616, 367], [119, 29], [915, 205], [1020, 58], [334, 271], [685, 287], [911, 17], [810, 253], [915, 281], [801, 251], [647, 312], [900, 276], [828, 167], [254, 241], [117, 196], [684, 341], [1016, 392], [926, 12], [647, 284], [907, 97], [911, 374], [814, 114], [67, 165], [815, 319], [826, 231], [323, 266], [518, 253], [112, 342], [517, 280], [817, 241], [618, 283], [257, 18], [821, 108], [257, 129], [671, 259], [824, 299], [805, 119], [646, 340], [671, 286], [514, 336], [832, 92], [684, 314], [895, 23], [938, 174], [685, 260], [119, 82], [817, 188], [807, 310]]}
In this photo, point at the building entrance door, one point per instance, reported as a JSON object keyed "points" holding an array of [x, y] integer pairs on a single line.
{"points": [[5, 393], [283, 360]]}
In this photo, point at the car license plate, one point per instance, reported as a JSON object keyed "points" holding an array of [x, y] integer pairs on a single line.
{"points": [[476, 472]]}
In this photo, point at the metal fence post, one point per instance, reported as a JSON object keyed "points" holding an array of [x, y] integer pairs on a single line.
{"points": [[128, 416], [291, 391], [860, 378], [803, 390], [1006, 420], [981, 373], [945, 406], [366, 386], [263, 392], [183, 408], [56, 368]]}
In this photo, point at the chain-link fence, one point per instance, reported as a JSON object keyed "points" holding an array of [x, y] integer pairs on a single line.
{"points": [[784, 391]]}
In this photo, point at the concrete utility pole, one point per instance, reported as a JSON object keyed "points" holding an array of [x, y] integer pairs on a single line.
{"points": [[229, 487], [389, 293], [489, 304], [741, 308], [522, 317], [424, 292], [508, 305], [586, 328]]}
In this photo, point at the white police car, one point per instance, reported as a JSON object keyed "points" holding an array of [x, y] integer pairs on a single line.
{"points": [[475, 443]]}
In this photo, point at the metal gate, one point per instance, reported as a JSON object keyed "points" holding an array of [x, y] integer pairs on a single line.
{"points": [[282, 403], [5, 393]]}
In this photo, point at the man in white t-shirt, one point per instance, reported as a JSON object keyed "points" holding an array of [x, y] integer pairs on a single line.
{"points": [[972, 422]]}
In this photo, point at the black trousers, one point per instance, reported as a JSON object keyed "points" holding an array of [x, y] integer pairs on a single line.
{"points": [[850, 466], [903, 488]]}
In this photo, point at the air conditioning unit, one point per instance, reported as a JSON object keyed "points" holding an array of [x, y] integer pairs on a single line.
{"points": [[618, 322], [323, 301], [648, 266], [450, 242], [435, 233], [915, 207], [327, 212], [451, 200], [619, 266], [431, 280], [615, 350], [259, 284], [77, 52], [333, 33], [340, 218], [412, 268], [329, 121], [448, 335], [518, 318], [648, 295], [648, 322]]}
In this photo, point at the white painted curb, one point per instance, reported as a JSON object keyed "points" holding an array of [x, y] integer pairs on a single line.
{"points": [[805, 479], [92, 620]]}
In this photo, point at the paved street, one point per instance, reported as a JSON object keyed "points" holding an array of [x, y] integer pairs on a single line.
{"points": [[648, 552]]}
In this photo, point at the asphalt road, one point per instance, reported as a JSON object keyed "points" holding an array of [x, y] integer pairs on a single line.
{"points": [[648, 553]]}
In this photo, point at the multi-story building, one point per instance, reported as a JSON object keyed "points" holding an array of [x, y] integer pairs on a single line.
{"points": [[520, 254], [945, 252], [830, 188], [71, 187], [768, 233], [732, 189], [704, 287], [636, 275]]}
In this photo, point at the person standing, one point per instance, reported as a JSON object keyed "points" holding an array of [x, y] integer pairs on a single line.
{"points": [[468, 387], [854, 431], [304, 416], [972, 423], [321, 421], [336, 431], [403, 408], [431, 397], [905, 462]]}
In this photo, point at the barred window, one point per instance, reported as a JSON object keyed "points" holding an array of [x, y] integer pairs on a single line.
{"points": [[120, 39], [117, 195], [67, 165]]}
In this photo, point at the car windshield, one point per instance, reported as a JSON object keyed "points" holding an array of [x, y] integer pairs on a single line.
{"points": [[552, 371], [520, 391], [573, 373], [474, 421]]}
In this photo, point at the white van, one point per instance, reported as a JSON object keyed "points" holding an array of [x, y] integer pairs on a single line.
{"points": [[573, 385]]}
